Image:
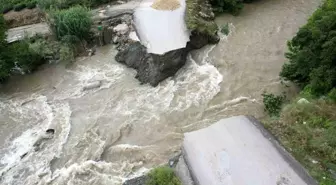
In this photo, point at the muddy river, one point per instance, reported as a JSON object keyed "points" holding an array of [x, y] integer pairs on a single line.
{"points": [[121, 129]]}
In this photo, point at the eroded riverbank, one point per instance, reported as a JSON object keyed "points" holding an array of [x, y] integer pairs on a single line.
{"points": [[107, 134]]}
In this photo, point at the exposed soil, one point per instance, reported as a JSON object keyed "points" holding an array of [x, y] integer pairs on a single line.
{"points": [[166, 4], [23, 17]]}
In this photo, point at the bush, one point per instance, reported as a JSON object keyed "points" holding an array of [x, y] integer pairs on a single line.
{"points": [[196, 22], [273, 103], [64, 4], [332, 95], [24, 58], [6, 9], [5, 64], [225, 29], [308, 131], [163, 176], [312, 52], [231, 6], [73, 24], [19, 7], [31, 5]]}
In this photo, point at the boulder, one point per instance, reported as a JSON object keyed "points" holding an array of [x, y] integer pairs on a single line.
{"points": [[92, 85], [121, 29], [303, 101], [152, 68]]}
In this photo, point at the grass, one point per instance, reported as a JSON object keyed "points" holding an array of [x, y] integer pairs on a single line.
{"points": [[162, 176], [308, 131]]}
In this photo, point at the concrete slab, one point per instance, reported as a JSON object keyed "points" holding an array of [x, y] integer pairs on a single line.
{"points": [[161, 31], [19, 33], [239, 151]]}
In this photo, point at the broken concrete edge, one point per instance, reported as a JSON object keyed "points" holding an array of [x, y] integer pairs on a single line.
{"points": [[298, 168], [192, 174], [294, 164]]}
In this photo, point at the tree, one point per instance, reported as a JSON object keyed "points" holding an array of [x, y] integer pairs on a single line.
{"points": [[312, 52]]}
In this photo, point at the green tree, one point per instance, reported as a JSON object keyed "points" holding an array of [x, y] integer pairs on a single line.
{"points": [[231, 6], [5, 64], [312, 52]]}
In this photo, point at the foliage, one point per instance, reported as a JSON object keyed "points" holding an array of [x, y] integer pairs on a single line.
{"points": [[66, 53], [3, 30], [225, 29], [332, 95], [312, 52], [308, 131], [72, 24], [24, 57], [5, 65], [195, 21], [19, 7], [163, 176], [231, 6], [273, 103], [64, 4], [8, 5], [31, 5], [52, 50], [6, 9]]}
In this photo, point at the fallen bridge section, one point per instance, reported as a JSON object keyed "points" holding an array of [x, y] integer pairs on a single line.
{"points": [[240, 151]]}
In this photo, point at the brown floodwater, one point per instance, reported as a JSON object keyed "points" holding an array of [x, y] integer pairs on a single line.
{"points": [[121, 129]]}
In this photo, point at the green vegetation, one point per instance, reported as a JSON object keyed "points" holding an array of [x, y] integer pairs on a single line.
{"points": [[16, 56], [225, 29], [273, 103], [64, 4], [17, 5], [71, 25], [230, 6], [195, 21], [308, 128], [163, 176], [308, 131], [312, 52]]}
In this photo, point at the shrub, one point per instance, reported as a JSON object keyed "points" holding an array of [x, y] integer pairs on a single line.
{"points": [[163, 176], [46, 4], [6, 9], [64, 4], [196, 22], [312, 52], [5, 64], [66, 53], [273, 103], [74, 23], [308, 131], [19, 7], [24, 57], [225, 29], [231, 6], [31, 5], [332, 94]]}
